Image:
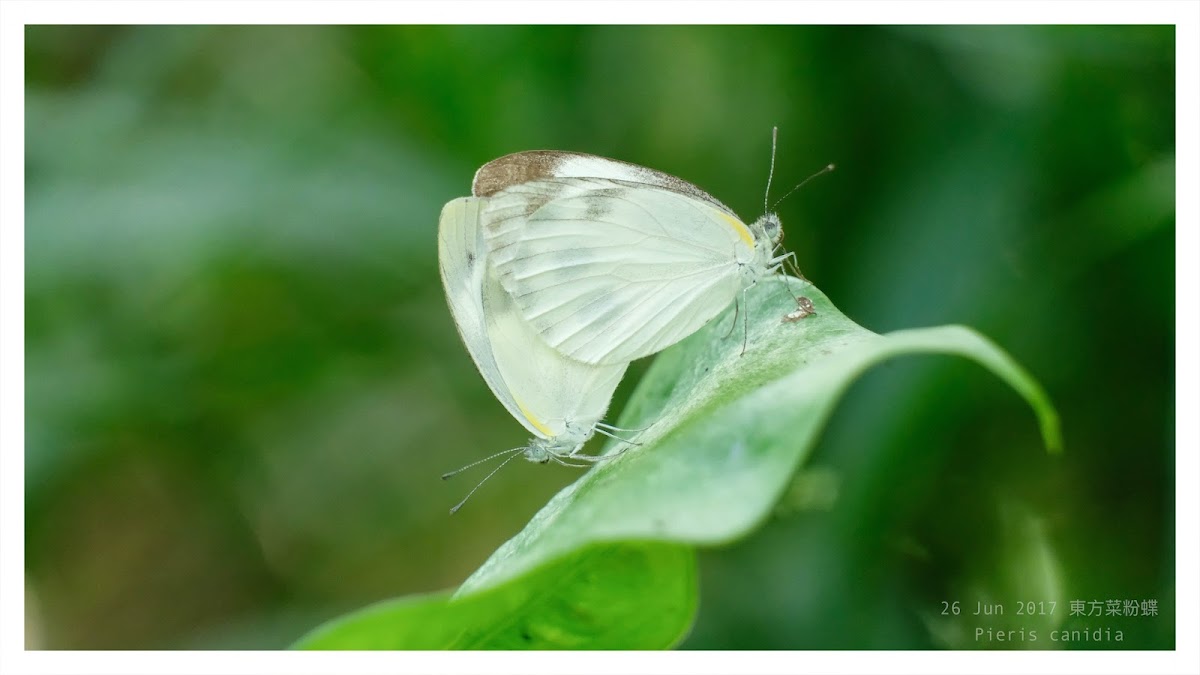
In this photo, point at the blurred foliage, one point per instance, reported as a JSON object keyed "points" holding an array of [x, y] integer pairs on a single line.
{"points": [[242, 380]]}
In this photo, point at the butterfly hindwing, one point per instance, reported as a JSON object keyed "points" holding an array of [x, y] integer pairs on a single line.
{"points": [[546, 391]]}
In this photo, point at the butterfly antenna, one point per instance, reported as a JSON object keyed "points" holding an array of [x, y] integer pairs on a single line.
{"points": [[485, 479], [771, 173], [827, 169], [489, 458]]}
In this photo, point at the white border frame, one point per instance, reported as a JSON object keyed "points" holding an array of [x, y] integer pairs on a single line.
{"points": [[14, 15]]}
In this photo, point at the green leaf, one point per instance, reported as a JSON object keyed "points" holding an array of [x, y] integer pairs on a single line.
{"points": [[623, 596], [730, 429], [725, 431]]}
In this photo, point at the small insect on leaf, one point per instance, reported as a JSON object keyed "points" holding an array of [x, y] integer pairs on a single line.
{"points": [[804, 309]]}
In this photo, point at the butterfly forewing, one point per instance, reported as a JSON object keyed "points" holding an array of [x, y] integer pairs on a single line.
{"points": [[608, 271]]}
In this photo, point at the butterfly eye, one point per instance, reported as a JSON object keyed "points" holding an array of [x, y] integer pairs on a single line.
{"points": [[771, 228]]}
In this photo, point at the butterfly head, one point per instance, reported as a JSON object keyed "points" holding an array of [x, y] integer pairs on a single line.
{"points": [[536, 452], [768, 230], [542, 450]]}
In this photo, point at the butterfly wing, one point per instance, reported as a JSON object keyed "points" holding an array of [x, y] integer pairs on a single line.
{"points": [[546, 392], [538, 165], [609, 271]]}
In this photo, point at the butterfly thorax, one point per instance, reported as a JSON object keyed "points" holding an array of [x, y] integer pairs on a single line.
{"points": [[767, 232]]}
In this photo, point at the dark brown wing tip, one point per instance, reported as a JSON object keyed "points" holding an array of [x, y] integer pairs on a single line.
{"points": [[515, 169]]}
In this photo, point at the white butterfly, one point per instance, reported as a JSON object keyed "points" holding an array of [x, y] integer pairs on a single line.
{"points": [[559, 400], [609, 261]]}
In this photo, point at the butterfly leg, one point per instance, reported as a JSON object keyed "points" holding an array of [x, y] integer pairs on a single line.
{"points": [[736, 309], [612, 428], [614, 436], [781, 261], [745, 322], [557, 460]]}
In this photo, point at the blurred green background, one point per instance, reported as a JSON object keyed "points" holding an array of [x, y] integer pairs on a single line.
{"points": [[242, 381]]}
